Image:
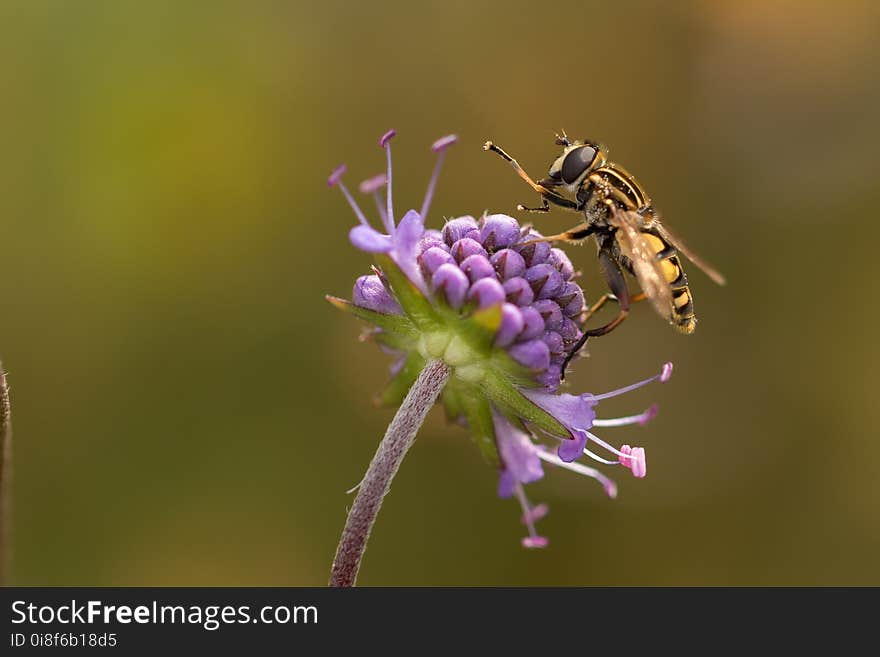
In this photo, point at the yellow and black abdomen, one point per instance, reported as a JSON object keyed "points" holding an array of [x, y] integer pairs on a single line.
{"points": [[682, 312]]}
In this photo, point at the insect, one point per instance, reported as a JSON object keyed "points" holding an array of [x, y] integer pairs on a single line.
{"points": [[630, 237]]}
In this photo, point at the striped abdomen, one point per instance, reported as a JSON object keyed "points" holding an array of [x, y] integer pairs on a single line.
{"points": [[683, 317]]}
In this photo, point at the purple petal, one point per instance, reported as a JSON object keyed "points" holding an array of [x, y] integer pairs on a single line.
{"points": [[519, 291], [569, 331], [506, 484], [511, 325], [573, 448], [369, 293], [409, 231], [554, 342], [477, 267], [406, 238], [550, 378], [508, 263], [545, 280], [466, 247], [460, 227], [551, 312], [432, 258], [517, 451], [574, 412], [533, 354], [559, 259], [370, 240], [430, 239], [486, 292], [451, 283], [535, 253], [533, 324], [499, 232], [571, 299]]}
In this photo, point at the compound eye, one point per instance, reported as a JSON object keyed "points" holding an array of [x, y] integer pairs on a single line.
{"points": [[576, 162]]}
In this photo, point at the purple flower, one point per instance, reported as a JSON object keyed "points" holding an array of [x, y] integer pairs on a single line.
{"points": [[401, 240], [370, 293], [503, 311]]}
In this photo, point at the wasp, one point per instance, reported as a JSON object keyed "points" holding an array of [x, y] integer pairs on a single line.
{"points": [[629, 235]]}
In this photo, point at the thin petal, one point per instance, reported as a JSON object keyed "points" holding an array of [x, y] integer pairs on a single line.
{"points": [[573, 411], [409, 232], [369, 240], [518, 453], [572, 449]]}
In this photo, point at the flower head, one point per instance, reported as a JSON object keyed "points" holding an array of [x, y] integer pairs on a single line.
{"points": [[502, 310]]}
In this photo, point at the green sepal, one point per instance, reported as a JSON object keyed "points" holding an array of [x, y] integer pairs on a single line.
{"points": [[517, 374], [479, 418], [400, 384], [480, 328], [410, 298], [396, 341], [506, 395], [395, 324]]}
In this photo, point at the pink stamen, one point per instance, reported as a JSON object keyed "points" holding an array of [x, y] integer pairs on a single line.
{"points": [[335, 180], [438, 147], [599, 459], [635, 460], [607, 484], [534, 514], [385, 142], [610, 489], [601, 442], [374, 184], [443, 143], [336, 175], [642, 418], [384, 139], [663, 377], [533, 540]]}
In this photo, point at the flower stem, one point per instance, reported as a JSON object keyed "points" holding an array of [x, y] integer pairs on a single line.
{"points": [[5, 473], [398, 439]]}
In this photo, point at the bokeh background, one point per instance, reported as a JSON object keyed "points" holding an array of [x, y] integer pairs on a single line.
{"points": [[188, 409]]}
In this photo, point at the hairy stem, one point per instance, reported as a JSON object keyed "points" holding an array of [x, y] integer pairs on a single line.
{"points": [[5, 473], [398, 439]]}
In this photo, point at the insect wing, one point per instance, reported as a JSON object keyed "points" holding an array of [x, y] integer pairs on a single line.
{"points": [[680, 246], [644, 261]]}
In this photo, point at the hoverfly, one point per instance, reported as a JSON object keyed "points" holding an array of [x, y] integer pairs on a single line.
{"points": [[627, 229]]}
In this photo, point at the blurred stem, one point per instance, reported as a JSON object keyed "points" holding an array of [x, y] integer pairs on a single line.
{"points": [[5, 474], [398, 439]]}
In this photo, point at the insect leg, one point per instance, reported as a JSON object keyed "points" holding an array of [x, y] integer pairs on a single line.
{"points": [[605, 298], [576, 234], [613, 276], [545, 207], [548, 195]]}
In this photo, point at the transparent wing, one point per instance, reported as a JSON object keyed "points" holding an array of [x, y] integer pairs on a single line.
{"points": [[680, 246], [645, 265]]}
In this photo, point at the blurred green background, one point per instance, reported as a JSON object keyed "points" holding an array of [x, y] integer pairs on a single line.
{"points": [[188, 409]]}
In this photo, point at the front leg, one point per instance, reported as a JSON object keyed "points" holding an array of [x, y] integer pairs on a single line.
{"points": [[574, 236], [613, 276], [545, 193], [545, 207]]}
